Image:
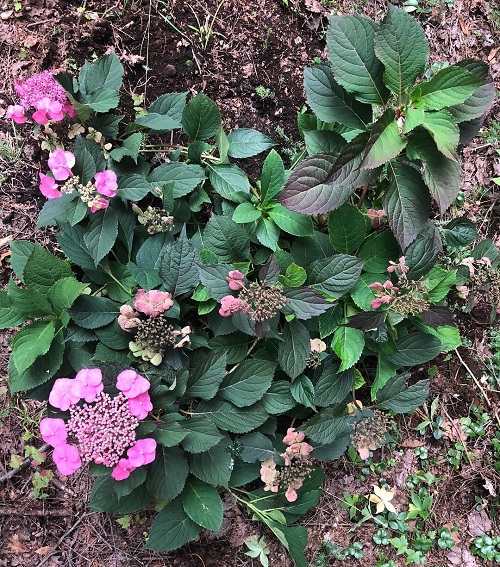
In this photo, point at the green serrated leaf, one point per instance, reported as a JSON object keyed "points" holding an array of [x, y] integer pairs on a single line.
{"points": [[167, 474], [348, 344], [229, 181], [441, 126], [202, 504], [246, 212], [101, 234], [104, 73], [384, 143], [64, 292], [395, 396], [450, 86], [333, 386], [273, 177], [202, 434], [248, 383], [213, 466], [183, 177], [205, 376], [290, 221], [42, 270], [294, 349], [226, 239], [325, 426], [201, 118], [347, 228], [178, 267], [246, 142], [30, 342], [415, 348], [93, 312], [229, 417], [335, 275]]}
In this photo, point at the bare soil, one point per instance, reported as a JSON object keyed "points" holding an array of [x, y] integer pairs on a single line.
{"points": [[248, 47]]}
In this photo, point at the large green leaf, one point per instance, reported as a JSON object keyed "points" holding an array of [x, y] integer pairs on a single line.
{"points": [[395, 396], [92, 312], [347, 228], [248, 382], [229, 417], [205, 375], [101, 234], [290, 221], [105, 73], [202, 434], [167, 474], [273, 177], [306, 303], [183, 177], [21, 250], [100, 101], [31, 342], [350, 41], [201, 118], [246, 142], [481, 99], [335, 275], [202, 504], [323, 142], [333, 386], [28, 302], [42, 270], [226, 239], [177, 266], [441, 175], [172, 528], [130, 147], [348, 344], [406, 203], [326, 426], [378, 250], [385, 141], [415, 348], [294, 349], [278, 399], [9, 316], [422, 253], [213, 466], [229, 181], [170, 104], [255, 447], [64, 292], [70, 239], [330, 102], [401, 45], [450, 86], [441, 126], [104, 497], [294, 540]]}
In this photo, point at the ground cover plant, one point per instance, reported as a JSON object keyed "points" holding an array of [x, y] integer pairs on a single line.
{"points": [[235, 336]]}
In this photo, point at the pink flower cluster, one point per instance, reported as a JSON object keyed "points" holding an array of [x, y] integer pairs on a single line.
{"points": [[296, 460], [60, 163], [235, 280], [151, 303], [43, 93], [386, 292], [103, 427], [400, 268], [230, 304]]}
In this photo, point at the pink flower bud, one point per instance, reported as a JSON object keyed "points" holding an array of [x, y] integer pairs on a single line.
{"points": [[97, 204], [376, 303], [106, 183], [292, 436], [128, 318], [377, 287]]}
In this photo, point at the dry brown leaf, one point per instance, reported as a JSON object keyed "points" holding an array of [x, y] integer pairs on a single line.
{"points": [[461, 557], [16, 546], [44, 550], [478, 523], [412, 443]]}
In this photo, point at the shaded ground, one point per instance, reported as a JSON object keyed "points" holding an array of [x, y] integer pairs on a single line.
{"points": [[248, 57]]}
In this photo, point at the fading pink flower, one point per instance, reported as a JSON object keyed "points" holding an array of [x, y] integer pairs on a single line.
{"points": [[269, 475], [122, 470], [53, 431], [17, 113], [376, 217], [65, 392], [235, 280], [400, 268], [317, 345], [376, 303], [131, 383], [91, 383], [106, 183], [60, 163], [293, 436], [140, 406], [152, 302], [142, 453], [377, 286], [184, 332], [230, 305], [67, 458], [128, 318], [48, 187], [98, 203]]}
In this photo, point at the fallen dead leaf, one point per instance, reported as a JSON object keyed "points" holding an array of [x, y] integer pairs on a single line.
{"points": [[44, 550], [16, 546], [412, 443], [461, 557], [478, 523]]}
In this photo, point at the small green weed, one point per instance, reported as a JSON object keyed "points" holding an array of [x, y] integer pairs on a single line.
{"points": [[487, 547], [258, 549], [432, 421]]}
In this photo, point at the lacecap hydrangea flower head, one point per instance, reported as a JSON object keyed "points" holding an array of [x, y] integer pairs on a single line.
{"points": [[44, 94], [101, 428]]}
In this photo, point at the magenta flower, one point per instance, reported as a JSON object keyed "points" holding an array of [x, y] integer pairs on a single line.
{"points": [[48, 187], [142, 453], [140, 406], [17, 113], [230, 305], [235, 280], [97, 204], [67, 458], [152, 302], [106, 183], [65, 393], [122, 470], [48, 110], [39, 86], [53, 431], [91, 383], [128, 318], [60, 163], [376, 303], [131, 383]]}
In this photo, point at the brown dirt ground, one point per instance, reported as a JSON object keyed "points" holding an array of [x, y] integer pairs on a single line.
{"points": [[253, 43]]}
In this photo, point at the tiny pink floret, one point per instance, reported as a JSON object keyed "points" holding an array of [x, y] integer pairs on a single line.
{"points": [[131, 383], [142, 453], [53, 431], [67, 458], [98, 203]]}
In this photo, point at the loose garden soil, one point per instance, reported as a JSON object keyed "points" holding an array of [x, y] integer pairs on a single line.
{"points": [[248, 56]]}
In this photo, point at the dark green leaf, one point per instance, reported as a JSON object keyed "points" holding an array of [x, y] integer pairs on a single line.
{"points": [[183, 177], [396, 397], [255, 447], [385, 142], [231, 418], [93, 312], [226, 239], [205, 375], [104, 73], [273, 177], [101, 234], [42, 270], [177, 266], [278, 399], [228, 180], [294, 348], [335, 275], [167, 474], [201, 434], [248, 382], [377, 250], [31, 342], [325, 426], [450, 86], [213, 466], [202, 504], [333, 387], [246, 142], [201, 118], [415, 348], [347, 228]]}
